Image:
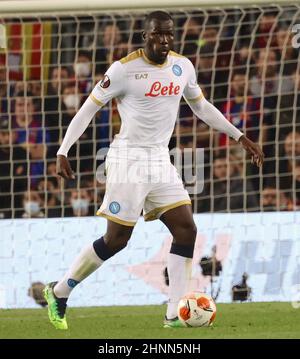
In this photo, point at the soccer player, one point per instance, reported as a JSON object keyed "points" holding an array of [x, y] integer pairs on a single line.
{"points": [[148, 85]]}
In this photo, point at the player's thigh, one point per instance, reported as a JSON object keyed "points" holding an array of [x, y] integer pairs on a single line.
{"points": [[180, 223], [167, 194], [124, 196]]}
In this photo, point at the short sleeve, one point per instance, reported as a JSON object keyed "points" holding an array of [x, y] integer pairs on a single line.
{"points": [[192, 91], [112, 85]]}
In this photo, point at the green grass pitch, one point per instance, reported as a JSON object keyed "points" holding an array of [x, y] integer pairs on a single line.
{"points": [[242, 320]]}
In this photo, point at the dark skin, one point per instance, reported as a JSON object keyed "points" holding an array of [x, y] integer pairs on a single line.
{"points": [[159, 38]]}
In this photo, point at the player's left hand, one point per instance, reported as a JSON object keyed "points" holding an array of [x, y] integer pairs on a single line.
{"points": [[256, 153]]}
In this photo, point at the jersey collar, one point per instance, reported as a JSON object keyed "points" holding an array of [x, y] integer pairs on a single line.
{"points": [[151, 62]]}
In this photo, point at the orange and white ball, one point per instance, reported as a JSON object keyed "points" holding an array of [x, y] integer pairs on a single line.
{"points": [[197, 309]]}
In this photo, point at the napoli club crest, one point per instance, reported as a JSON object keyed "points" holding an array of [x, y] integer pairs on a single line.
{"points": [[114, 207], [177, 70]]}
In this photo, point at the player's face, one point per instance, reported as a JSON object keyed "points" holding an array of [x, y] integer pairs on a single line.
{"points": [[159, 40]]}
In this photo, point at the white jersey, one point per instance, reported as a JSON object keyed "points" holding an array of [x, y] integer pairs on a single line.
{"points": [[148, 97]]}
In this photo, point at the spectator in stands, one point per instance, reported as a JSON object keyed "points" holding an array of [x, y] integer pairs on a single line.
{"points": [[3, 73], [19, 87], [35, 87], [27, 127], [208, 78], [80, 204], [210, 34], [72, 99], [6, 89], [32, 204], [190, 39], [5, 179], [29, 132], [83, 72], [296, 186], [292, 148], [114, 46], [59, 78], [289, 160], [51, 175], [289, 115], [188, 125], [274, 200], [266, 30], [89, 182], [212, 81], [265, 81], [288, 57], [264, 85], [244, 57], [13, 175], [196, 34], [205, 67], [242, 110], [51, 169], [49, 194], [226, 191], [111, 35]]}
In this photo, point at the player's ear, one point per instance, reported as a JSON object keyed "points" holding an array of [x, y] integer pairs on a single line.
{"points": [[144, 35]]}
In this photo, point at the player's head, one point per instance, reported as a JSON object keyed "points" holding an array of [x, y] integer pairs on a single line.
{"points": [[158, 35]]}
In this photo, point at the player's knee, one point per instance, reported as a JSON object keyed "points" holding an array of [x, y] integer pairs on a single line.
{"points": [[190, 234], [186, 234], [192, 229], [117, 241], [184, 243]]}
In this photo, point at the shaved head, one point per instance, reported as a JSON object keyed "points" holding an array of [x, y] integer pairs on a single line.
{"points": [[157, 16], [158, 36]]}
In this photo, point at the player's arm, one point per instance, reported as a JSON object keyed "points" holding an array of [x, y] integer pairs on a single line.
{"points": [[76, 128], [111, 86], [215, 119], [208, 113]]}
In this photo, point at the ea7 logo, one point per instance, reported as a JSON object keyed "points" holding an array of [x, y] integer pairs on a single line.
{"points": [[296, 38], [141, 76]]}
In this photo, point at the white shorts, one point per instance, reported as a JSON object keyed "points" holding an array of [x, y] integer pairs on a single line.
{"points": [[133, 187]]}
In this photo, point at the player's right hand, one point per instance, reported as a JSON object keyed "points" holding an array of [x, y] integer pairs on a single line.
{"points": [[63, 168]]}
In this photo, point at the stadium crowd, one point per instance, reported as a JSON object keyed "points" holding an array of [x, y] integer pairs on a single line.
{"points": [[247, 68]]}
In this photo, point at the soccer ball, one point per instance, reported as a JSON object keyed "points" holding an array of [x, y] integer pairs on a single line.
{"points": [[197, 309]]}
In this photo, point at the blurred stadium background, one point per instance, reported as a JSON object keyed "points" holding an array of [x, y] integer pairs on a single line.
{"points": [[247, 60]]}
